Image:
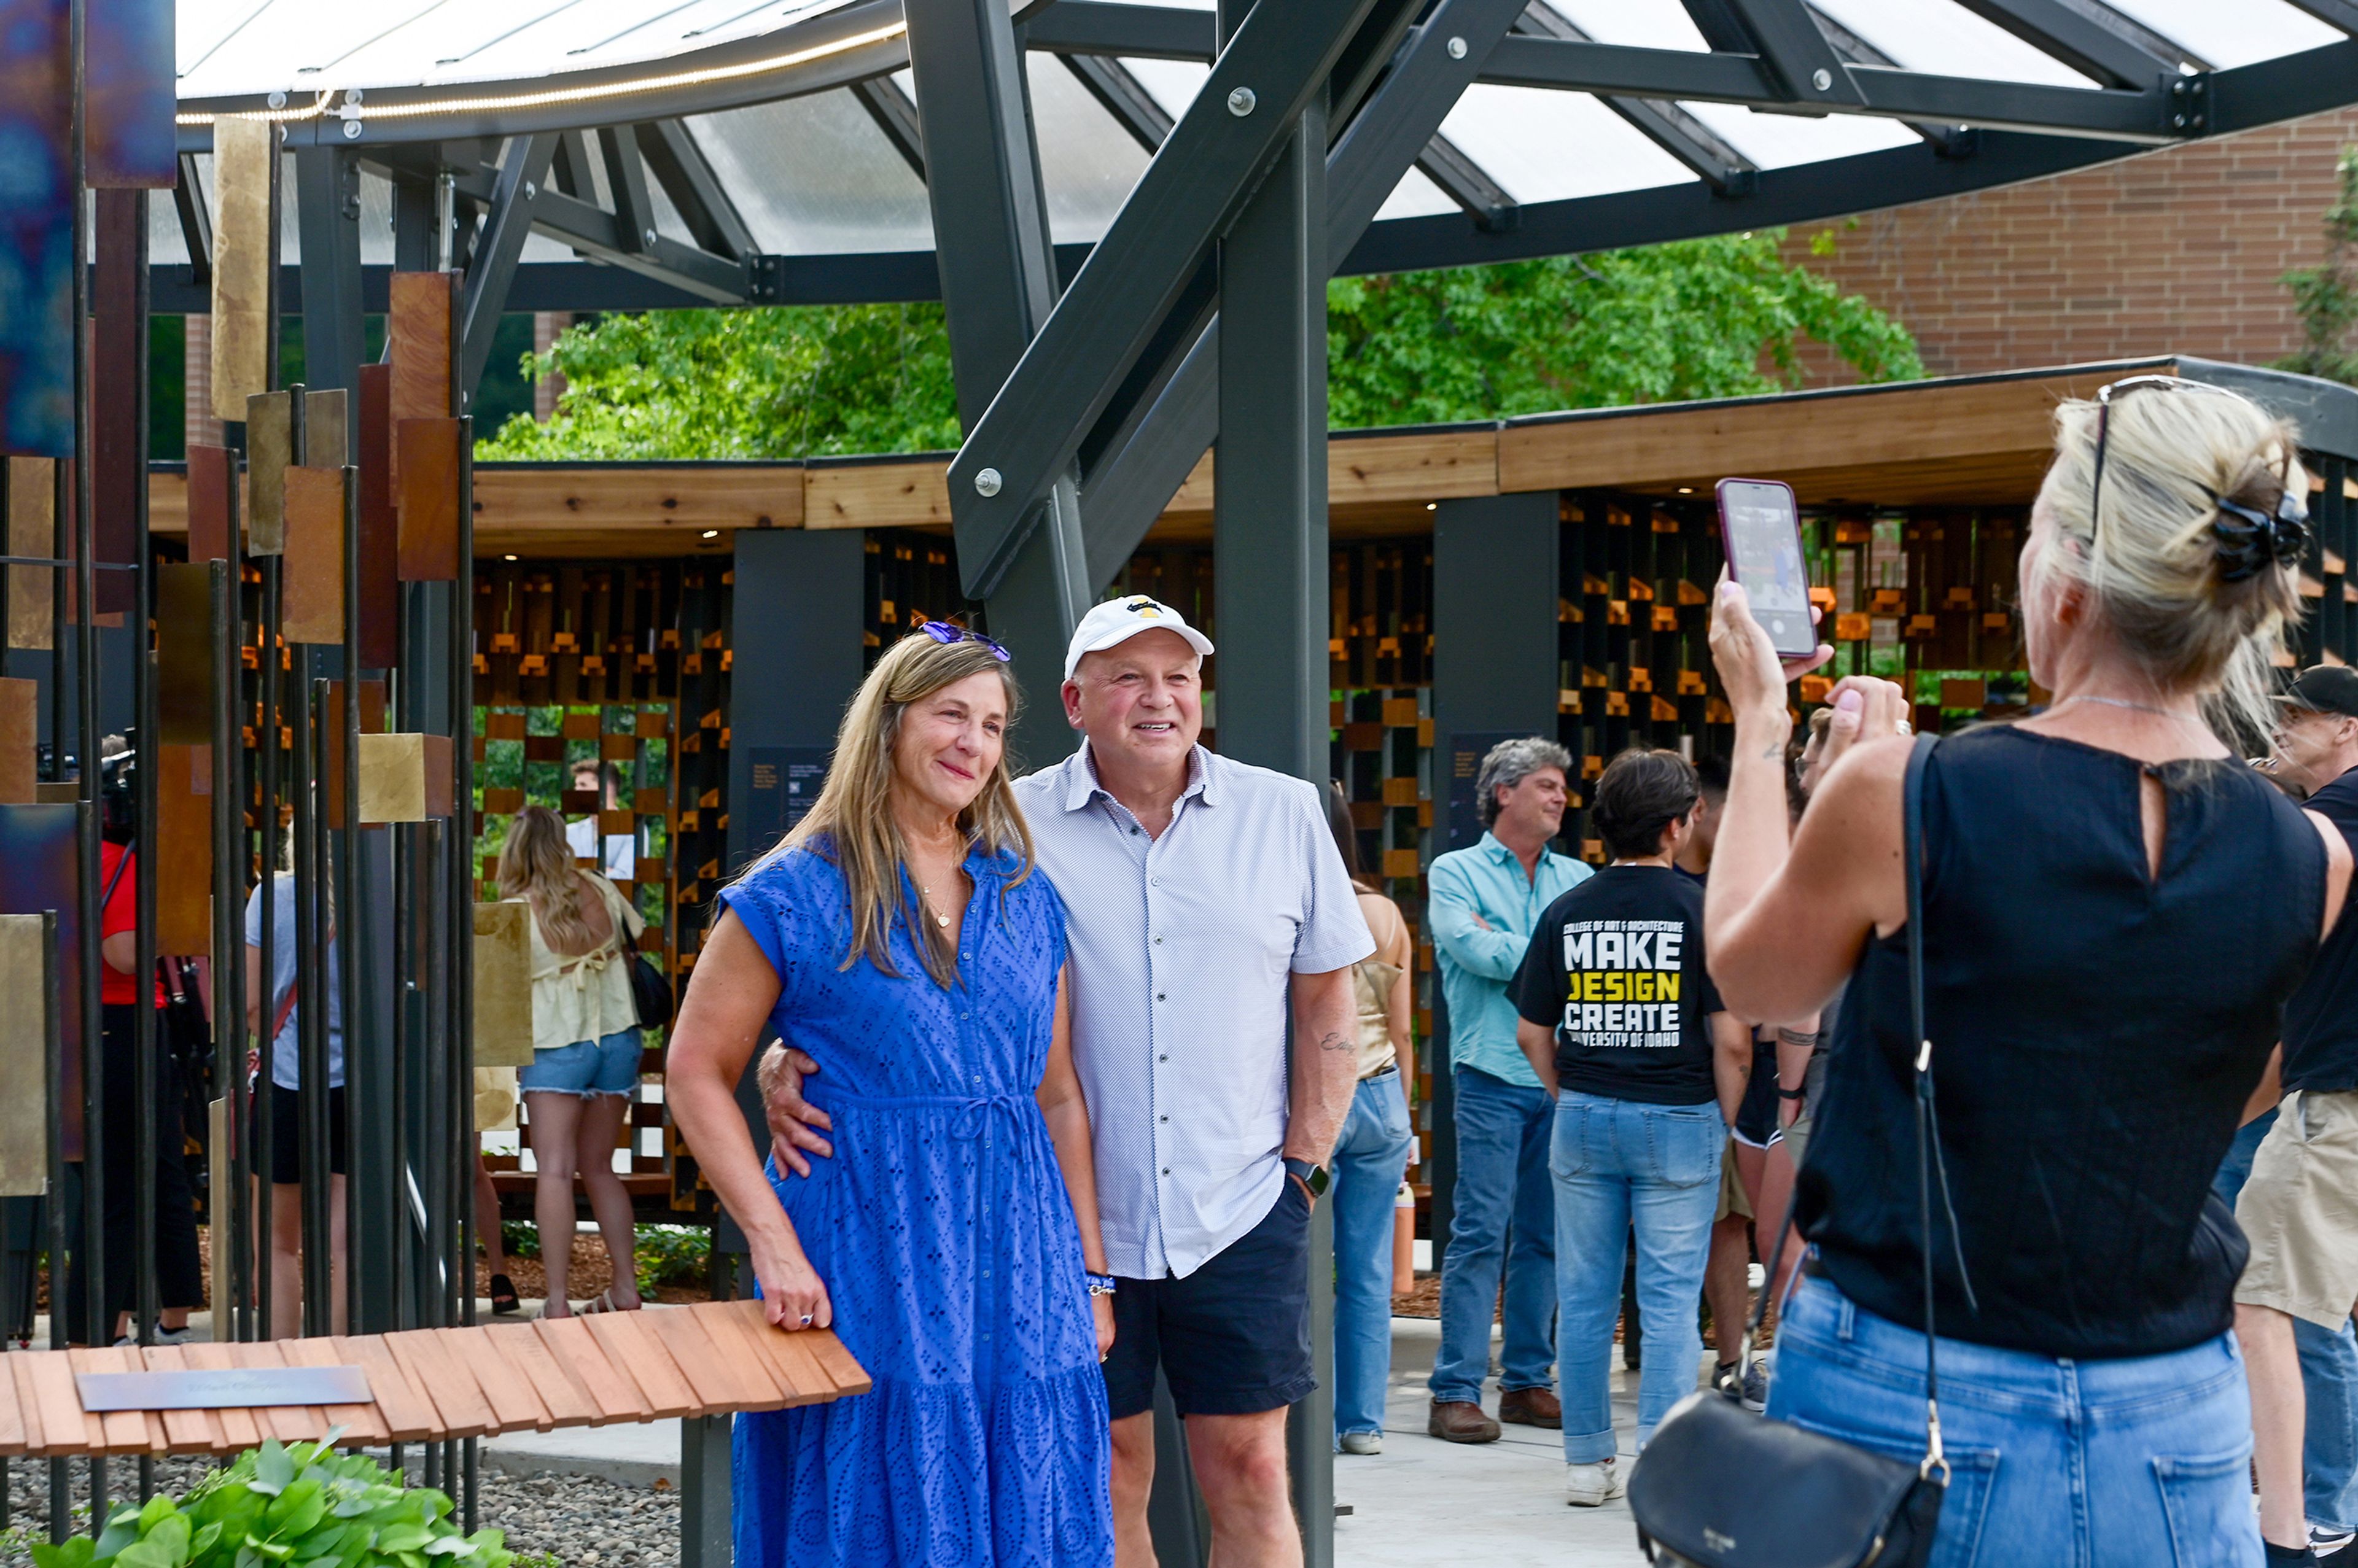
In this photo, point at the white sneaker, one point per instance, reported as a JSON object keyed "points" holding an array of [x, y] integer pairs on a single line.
{"points": [[1592, 1486], [1363, 1443]]}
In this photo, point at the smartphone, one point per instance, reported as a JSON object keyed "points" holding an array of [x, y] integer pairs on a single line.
{"points": [[1761, 529]]}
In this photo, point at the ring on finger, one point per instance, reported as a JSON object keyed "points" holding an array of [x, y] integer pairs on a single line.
{"points": [[807, 1320], [1903, 727]]}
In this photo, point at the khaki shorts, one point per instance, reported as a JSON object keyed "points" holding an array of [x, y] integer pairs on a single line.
{"points": [[2300, 1211], [1797, 1137], [1731, 1186]]}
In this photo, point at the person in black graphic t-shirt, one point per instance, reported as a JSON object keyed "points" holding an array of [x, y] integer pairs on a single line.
{"points": [[2298, 1207], [1622, 1024]]}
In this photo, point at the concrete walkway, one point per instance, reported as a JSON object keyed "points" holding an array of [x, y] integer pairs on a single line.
{"points": [[1423, 1503]]}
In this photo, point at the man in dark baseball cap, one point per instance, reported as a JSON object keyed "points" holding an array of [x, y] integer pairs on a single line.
{"points": [[2289, 1188]]}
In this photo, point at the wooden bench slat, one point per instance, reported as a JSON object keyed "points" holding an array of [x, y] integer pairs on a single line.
{"points": [[433, 1373], [763, 1389], [409, 1415], [630, 1345], [850, 1378], [183, 1429], [505, 1387], [798, 1371], [288, 1423], [240, 1428], [560, 1393], [692, 1351], [19, 1375], [617, 1397], [362, 1424], [11, 1420]]}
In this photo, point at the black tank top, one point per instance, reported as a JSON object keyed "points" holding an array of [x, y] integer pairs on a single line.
{"points": [[2095, 1033]]}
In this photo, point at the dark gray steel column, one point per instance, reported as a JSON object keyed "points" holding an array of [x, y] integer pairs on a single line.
{"points": [[328, 215], [999, 283], [1271, 577], [1494, 670]]}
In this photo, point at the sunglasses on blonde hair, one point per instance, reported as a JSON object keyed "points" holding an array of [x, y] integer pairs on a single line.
{"points": [[945, 632]]}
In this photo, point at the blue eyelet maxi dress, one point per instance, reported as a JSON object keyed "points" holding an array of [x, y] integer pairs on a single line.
{"points": [[946, 1238]]}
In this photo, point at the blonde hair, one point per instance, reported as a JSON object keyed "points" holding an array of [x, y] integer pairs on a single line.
{"points": [[2151, 563], [537, 865], [851, 823]]}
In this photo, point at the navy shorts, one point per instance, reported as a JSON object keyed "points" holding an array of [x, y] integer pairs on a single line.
{"points": [[1233, 1337]]}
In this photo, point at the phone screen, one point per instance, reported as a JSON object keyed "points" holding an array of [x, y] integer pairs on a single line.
{"points": [[1762, 531]]}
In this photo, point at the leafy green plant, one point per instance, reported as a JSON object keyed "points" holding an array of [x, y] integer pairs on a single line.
{"points": [[305, 1506], [672, 1255], [2327, 297]]}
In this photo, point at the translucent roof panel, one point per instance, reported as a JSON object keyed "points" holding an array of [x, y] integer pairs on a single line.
{"points": [[1087, 160], [1545, 147], [1941, 36], [1415, 197], [2232, 32], [231, 47], [814, 176], [1780, 141]]}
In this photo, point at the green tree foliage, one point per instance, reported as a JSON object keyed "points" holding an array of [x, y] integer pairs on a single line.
{"points": [[2327, 295], [1712, 318], [788, 382]]}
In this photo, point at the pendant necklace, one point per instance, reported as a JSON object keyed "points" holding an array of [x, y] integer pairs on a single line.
{"points": [[927, 894]]}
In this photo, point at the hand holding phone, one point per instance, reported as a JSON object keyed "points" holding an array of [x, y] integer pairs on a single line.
{"points": [[1760, 529]]}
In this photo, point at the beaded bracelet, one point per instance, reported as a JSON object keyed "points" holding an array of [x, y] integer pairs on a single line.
{"points": [[1100, 1284]]}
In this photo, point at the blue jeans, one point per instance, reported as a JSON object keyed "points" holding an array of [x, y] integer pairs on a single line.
{"points": [[1620, 1164], [2136, 1463], [1368, 1160], [1504, 1214], [2329, 1375]]}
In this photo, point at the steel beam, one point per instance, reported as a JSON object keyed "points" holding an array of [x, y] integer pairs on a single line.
{"points": [[2340, 13], [680, 166], [1467, 183], [896, 117], [595, 232], [1270, 575], [524, 174], [1954, 141], [1670, 127], [1796, 54], [1238, 124], [328, 213], [998, 286], [2080, 40], [626, 180], [196, 221], [1165, 435], [1138, 32], [1123, 96]]}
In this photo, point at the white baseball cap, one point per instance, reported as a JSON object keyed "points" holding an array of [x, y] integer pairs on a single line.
{"points": [[1118, 620]]}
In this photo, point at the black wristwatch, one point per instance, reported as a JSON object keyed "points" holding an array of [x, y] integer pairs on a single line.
{"points": [[1314, 1178]]}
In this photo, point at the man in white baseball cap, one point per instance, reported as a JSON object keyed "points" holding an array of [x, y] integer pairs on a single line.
{"points": [[1118, 620]]}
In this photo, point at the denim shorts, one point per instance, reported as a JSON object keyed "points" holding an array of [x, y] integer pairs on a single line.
{"points": [[586, 1067], [2140, 1462]]}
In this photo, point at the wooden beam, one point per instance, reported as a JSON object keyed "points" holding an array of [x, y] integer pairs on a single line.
{"points": [[1922, 425], [878, 495]]}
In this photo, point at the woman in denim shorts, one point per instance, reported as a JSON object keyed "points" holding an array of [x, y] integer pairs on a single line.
{"points": [[586, 1044]]}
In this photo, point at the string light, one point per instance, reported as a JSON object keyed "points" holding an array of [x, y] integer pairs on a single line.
{"points": [[550, 97]]}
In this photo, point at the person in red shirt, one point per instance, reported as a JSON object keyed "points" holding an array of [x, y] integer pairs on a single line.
{"points": [[179, 1277]]}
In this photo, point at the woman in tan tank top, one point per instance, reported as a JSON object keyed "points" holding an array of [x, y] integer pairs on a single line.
{"points": [[1369, 1159]]}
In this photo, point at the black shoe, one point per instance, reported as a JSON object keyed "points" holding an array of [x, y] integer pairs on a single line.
{"points": [[2334, 1548], [2291, 1557], [504, 1300]]}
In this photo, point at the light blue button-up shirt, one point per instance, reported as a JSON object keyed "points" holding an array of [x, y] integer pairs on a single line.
{"points": [[1476, 965], [1180, 949]]}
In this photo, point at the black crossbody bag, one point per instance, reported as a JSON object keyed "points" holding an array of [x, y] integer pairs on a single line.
{"points": [[1808, 1500]]}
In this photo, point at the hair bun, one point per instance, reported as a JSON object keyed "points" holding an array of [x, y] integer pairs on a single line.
{"points": [[2248, 540]]}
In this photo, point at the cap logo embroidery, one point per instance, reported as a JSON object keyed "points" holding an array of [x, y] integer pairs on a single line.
{"points": [[1144, 608]]}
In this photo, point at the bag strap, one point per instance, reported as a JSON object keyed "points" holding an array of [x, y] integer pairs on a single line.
{"points": [[1928, 1161], [1927, 1120]]}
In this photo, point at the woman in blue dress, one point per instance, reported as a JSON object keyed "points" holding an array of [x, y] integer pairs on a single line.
{"points": [[901, 935]]}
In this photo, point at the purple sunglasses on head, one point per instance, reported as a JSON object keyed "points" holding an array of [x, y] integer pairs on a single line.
{"points": [[948, 632]]}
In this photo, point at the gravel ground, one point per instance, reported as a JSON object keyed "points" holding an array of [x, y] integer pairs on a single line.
{"points": [[549, 1519]]}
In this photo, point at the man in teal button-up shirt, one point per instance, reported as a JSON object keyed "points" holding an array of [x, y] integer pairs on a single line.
{"points": [[1481, 906]]}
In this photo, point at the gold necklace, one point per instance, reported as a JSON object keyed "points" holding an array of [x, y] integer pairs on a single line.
{"points": [[927, 894]]}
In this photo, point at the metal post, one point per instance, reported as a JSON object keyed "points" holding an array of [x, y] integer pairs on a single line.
{"points": [[273, 725], [705, 1537], [230, 1209], [312, 1002], [460, 897], [54, 1053], [1270, 575], [356, 948]]}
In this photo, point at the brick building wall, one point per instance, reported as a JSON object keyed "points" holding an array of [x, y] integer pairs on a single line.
{"points": [[2178, 251]]}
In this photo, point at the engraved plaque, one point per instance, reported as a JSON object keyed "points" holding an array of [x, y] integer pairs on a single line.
{"points": [[228, 1388]]}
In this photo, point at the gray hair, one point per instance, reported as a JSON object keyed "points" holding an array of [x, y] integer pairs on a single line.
{"points": [[1510, 762]]}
